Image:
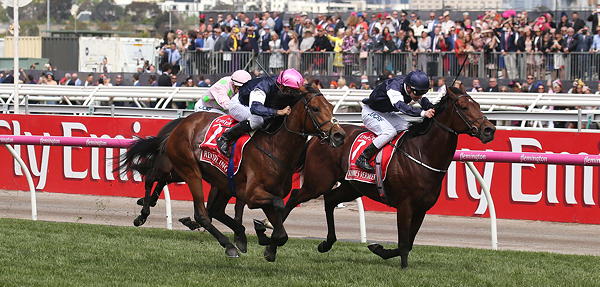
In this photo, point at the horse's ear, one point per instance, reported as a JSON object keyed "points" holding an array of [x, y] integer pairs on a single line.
{"points": [[462, 89], [452, 92]]}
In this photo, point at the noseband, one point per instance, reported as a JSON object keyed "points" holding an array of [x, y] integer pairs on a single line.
{"points": [[471, 129], [316, 124]]}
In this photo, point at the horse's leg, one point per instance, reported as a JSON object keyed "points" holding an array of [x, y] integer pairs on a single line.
{"points": [[155, 194], [217, 211], [189, 170], [141, 219], [417, 220], [240, 239], [343, 193], [193, 225], [239, 210], [404, 217], [273, 207], [279, 236]]}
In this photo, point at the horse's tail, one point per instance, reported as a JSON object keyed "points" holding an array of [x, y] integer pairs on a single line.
{"points": [[142, 154]]}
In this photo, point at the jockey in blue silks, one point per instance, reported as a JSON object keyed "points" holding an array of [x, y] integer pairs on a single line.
{"points": [[398, 94]]}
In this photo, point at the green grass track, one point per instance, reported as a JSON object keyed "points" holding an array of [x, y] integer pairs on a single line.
{"points": [[67, 254]]}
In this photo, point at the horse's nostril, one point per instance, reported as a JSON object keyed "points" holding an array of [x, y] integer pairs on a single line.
{"points": [[488, 130], [338, 136]]}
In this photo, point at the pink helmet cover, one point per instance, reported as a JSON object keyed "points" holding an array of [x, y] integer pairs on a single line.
{"points": [[291, 78]]}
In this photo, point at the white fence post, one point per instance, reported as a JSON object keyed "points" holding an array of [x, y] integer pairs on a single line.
{"points": [[488, 197], [29, 181]]}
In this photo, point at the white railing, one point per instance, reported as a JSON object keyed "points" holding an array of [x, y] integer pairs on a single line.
{"points": [[99, 100]]}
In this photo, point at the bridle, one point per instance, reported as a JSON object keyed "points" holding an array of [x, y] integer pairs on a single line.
{"points": [[316, 124], [471, 129]]}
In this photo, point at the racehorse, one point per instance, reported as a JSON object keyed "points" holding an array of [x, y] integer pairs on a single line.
{"points": [[156, 168], [264, 177], [415, 173]]}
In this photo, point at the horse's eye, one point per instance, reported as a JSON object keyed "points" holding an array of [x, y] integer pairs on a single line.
{"points": [[315, 109]]}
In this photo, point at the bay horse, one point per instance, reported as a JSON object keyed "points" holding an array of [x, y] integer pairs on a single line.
{"points": [[156, 168], [415, 173], [265, 175]]}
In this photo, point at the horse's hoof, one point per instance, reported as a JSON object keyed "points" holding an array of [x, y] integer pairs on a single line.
{"points": [[263, 239], [189, 223], [241, 243], [375, 248], [270, 255], [232, 252], [140, 202], [324, 247], [139, 221], [259, 225]]}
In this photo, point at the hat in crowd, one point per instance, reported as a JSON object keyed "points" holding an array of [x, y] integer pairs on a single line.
{"points": [[354, 14], [286, 24], [446, 13], [266, 27], [364, 80], [557, 83], [465, 13], [304, 14]]}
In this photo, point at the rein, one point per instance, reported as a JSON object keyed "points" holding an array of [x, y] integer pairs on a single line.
{"points": [[319, 133], [470, 130]]}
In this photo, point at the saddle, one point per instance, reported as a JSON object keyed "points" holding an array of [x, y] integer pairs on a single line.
{"points": [[382, 159]]}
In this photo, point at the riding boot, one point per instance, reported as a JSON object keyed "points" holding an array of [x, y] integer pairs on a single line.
{"points": [[231, 135], [365, 157]]}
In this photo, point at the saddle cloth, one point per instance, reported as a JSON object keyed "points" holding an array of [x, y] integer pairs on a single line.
{"points": [[211, 154], [361, 142]]}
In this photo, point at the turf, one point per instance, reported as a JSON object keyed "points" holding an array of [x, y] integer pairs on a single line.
{"points": [[67, 254]]}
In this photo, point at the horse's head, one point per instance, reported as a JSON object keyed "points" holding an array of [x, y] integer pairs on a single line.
{"points": [[467, 116], [317, 117]]}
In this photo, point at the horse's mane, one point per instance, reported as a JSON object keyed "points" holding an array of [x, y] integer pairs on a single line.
{"points": [[418, 129]]}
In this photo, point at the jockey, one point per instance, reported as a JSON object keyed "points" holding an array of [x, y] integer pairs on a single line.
{"points": [[219, 95], [260, 99], [398, 94]]}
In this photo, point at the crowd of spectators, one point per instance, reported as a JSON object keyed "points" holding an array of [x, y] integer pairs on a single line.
{"points": [[505, 35], [501, 37]]}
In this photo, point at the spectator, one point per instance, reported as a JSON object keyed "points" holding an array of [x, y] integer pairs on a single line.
{"points": [[493, 86], [65, 79], [441, 84], [174, 82], [285, 37], [595, 18], [364, 83], [596, 42], [152, 81], [578, 23], [476, 86], [530, 85], [293, 51], [423, 46], [50, 80], [265, 39], [584, 41], [136, 80], [276, 58], [89, 81], [164, 80], [118, 81]]}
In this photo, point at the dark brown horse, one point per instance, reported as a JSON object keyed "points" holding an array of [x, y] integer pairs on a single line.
{"points": [[264, 177], [412, 185]]}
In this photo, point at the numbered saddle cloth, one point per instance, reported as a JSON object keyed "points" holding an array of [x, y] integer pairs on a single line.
{"points": [[384, 156], [209, 152]]}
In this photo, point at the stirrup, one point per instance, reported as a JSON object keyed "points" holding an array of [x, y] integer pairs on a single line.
{"points": [[223, 146], [364, 164]]}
